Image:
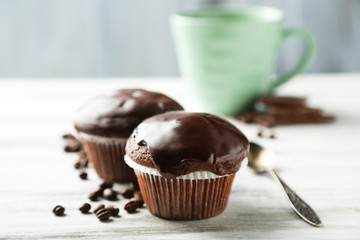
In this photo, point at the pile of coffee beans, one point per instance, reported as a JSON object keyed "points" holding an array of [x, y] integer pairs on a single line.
{"points": [[105, 189], [272, 111]]}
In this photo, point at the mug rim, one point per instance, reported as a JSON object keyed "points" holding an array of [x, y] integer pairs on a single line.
{"points": [[261, 14]]}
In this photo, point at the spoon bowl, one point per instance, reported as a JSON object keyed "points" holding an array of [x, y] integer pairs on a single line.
{"points": [[260, 159]]}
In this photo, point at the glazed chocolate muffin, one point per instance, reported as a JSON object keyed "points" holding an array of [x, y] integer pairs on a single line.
{"points": [[105, 122], [185, 163]]}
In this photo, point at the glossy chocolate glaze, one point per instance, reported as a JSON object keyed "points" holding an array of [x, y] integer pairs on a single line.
{"points": [[180, 143], [117, 113]]}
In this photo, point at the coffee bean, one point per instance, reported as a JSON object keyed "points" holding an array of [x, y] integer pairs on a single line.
{"points": [[68, 136], [77, 165], [103, 214], [260, 133], [272, 136], [83, 175], [81, 163], [131, 206], [73, 146], [59, 210], [95, 195], [99, 192], [113, 210], [110, 194], [105, 184], [139, 202], [101, 206], [127, 193], [85, 208], [102, 211]]}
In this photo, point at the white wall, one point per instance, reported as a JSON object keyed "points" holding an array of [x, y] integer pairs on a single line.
{"points": [[84, 38]]}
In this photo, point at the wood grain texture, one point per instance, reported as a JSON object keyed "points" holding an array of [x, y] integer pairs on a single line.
{"points": [[320, 162]]}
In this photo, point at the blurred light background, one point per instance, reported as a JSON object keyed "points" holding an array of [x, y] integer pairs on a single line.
{"points": [[118, 38]]}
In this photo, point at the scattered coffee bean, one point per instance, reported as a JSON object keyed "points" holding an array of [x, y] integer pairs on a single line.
{"points": [[95, 195], [99, 192], [272, 136], [103, 214], [59, 210], [260, 133], [105, 184], [131, 206], [140, 202], [73, 146], [85, 208], [78, 165], [113, 210], [110, 194], [101, 206], [68, 136], [81, 164], [127, 193], [83, 175]]}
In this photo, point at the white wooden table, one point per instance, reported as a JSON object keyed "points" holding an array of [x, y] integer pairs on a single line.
{"points": [[320, 162]]}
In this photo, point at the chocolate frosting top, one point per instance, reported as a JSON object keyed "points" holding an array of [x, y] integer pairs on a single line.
{"points": [[117, 113], [180, 143]]}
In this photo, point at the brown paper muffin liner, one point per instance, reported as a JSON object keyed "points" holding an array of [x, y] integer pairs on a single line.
{"points": [[107, 158], [185, 199]]}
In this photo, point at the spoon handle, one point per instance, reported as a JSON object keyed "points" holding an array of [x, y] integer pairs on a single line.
{"points": [[299, 206]]}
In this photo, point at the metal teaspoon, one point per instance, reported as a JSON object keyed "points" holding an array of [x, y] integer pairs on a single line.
{"points": [[261, 159]]}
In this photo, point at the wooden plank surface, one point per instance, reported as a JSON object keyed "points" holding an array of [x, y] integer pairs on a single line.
{"points": [[320, 162]]}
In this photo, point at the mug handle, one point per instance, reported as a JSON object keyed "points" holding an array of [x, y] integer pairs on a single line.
{"points": [[305, 59]]}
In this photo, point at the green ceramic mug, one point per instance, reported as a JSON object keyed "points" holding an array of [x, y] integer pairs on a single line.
{"points": [[228, 56]]}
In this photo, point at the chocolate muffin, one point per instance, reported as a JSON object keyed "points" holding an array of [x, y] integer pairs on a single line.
{"points": [[185, 163], [105, 122]]}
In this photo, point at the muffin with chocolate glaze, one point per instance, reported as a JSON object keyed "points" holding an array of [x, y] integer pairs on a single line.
{"points": [[105, 122], [185, 163]]}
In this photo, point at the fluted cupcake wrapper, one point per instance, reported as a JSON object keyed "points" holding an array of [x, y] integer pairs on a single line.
{"points": [[185, 199], [107, 158]]}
